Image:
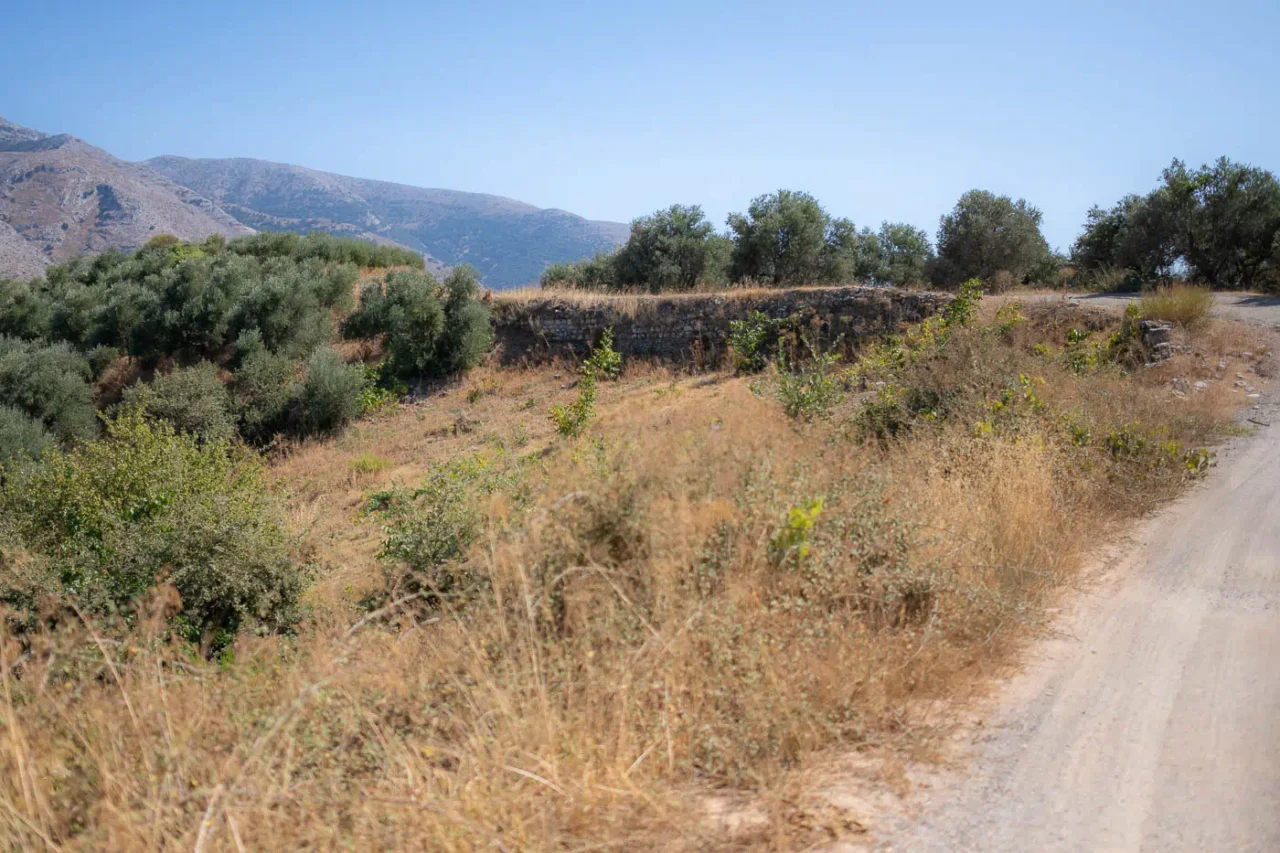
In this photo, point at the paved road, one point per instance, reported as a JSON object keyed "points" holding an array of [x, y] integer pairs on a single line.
{"points": [[1153, 723], [1245, 307]]}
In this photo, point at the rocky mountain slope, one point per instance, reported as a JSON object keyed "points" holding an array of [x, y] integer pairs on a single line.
{"points": [[61, 197], [508, 241]]}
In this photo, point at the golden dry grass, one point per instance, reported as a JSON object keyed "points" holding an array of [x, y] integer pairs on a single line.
{"points": [[636, 641], [636, 304], [1186, 304]]}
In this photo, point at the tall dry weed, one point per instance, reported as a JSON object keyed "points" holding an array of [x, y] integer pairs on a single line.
{"points": [[698, 594]]}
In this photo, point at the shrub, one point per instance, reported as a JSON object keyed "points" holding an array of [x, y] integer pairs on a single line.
{"points": [[367, 463], [286, 307], [750, 340], [431, 329], [791, 543], [49, 383], [409, 313], [192, 399], [810, 391], [144, 504], [1185, 304], [603, 363], [331, 394], [22, 438], [596, 273], [556, 276], [162, 241], [263, 389], [572, 419], [381, 390], [468, 335], [428, 530]]}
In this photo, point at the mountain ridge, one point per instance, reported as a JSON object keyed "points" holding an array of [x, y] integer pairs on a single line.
{"points": [[61, 196], [508, 241]]}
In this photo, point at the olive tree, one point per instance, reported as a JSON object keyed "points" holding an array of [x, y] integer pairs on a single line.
{"points": [[987, 234], [1219, 224], [905, 254], [672, 249], [781, 239]]}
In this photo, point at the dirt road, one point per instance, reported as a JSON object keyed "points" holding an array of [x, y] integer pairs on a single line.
{"points": [[1244, 307], [1153, 721]]}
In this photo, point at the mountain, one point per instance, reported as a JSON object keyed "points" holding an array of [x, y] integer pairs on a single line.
{"points": [[508, 241], [61, 197]]}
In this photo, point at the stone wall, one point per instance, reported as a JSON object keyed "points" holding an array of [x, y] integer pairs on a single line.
{"points": [[695, 327]]}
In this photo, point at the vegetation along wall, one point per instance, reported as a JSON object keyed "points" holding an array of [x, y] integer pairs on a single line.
{"points": [[691, 327]]}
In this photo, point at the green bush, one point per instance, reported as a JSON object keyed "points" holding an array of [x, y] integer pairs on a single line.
{"points": [[431, 329], [810, 390], [187, 300], [596, 273], [750, 341], [571, 419], [49, 383], [468, 334], [325, 247], [603, 363], [146, 504], [286, 307], [429, 529], [331, 395], [22, 438], [263, 389], [193, 399]]}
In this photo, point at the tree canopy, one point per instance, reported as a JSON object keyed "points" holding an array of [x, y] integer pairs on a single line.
{"points": [[782, 239], [672, 249], [986, 234], [1219, 224]]}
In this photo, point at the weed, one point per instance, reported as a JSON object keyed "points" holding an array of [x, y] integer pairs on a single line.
{"points": [[812, 390], [1186, 304], [367, 463], [791, 543], [750, 340], [604, 363], [572, 418]]}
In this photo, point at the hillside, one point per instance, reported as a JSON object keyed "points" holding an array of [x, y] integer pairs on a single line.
{"points": [[507, 241], [61, 197]]}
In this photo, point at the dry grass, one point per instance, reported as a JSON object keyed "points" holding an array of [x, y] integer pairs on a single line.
{"points": [[637, 304], [635, 637], [1185, 304]]}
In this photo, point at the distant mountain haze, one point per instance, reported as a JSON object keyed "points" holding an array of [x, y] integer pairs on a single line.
{"points": [[61, 197]]}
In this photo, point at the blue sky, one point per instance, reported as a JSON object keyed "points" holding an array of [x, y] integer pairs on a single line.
{"points": [[611, 110]]}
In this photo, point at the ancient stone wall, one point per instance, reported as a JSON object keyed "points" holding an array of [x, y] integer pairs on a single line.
{"points": [[695, 327]]}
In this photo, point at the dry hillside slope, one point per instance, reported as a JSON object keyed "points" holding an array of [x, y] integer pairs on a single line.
{"points": [[509, 242], [61, 197]]}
